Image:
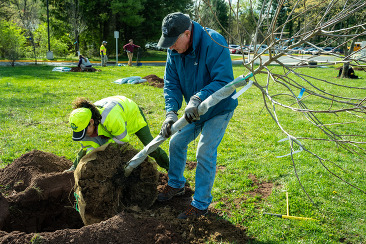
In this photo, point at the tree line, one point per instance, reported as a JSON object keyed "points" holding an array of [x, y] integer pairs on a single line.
{"points": [[80, 25]]}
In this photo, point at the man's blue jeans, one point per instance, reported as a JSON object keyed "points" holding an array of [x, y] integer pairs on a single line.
{"points": [[212, 131]]}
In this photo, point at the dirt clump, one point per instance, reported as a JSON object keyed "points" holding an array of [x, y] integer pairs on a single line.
{"points": [[37, 194], [103, 190], [154, 80], [78, 69], [37, 204]]}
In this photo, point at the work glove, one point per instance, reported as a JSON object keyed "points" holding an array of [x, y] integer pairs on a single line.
{"points": [[191, 111], [170, 118]]}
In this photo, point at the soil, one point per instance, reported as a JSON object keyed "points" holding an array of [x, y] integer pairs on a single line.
{"points": [[78, 69], [154, 80], [103, 190], [37, 205]]}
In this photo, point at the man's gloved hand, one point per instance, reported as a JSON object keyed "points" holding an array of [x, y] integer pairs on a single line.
{"points": [[171, 118], [191, 111]]}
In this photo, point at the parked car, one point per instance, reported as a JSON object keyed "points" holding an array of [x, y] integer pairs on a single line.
{"points": [[260, 48], [234, 49], [154, 46], [337, 50], [306, 50], [148, 45], [278, 49], [297, 49], [246, 49], [327, 49], [310, 50]]}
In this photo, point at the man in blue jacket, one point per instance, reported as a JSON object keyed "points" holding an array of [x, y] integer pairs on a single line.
{"points": [[198, 64]]}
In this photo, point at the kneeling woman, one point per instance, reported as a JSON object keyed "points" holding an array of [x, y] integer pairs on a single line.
{"points": [[112, 119]]}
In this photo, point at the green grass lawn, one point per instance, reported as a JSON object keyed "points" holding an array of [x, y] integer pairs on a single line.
{"points": [[35, 103]]}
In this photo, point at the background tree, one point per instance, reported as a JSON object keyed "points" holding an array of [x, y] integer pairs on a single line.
{"points": [[40, 36], [11, 41], [153, 13], [76, 21], [28, 14], [5, 11], [215, 15]]}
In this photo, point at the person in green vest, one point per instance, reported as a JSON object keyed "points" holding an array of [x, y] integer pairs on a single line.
{"points": [[110, 120], [103, 54]]}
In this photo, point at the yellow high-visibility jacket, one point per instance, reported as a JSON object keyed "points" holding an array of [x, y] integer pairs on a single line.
{"points": [[102, 48], [121, 118]]}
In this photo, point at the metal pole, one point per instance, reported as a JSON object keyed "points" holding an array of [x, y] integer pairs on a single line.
{"points": [[116, 35], [48, 28], [117, 51]]}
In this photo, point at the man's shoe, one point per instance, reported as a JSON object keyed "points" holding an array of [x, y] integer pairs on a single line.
{"points": [[192, 212], [169, 192]]}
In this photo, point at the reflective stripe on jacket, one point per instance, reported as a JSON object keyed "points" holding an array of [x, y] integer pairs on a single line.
{"points": [[102, 48], [121, 118]]}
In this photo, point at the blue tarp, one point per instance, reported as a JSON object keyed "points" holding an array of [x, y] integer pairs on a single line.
{"points": [[130, 80], [62, 69]]}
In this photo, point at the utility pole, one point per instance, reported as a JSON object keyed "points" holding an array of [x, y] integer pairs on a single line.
{"points": [[116, 35], [49, 53]]}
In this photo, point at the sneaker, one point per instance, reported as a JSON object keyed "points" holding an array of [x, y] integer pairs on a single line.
{"points": [[192, 212], [169, 192]]}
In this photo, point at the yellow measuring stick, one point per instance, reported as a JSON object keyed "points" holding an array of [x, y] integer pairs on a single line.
{"points": [[288, 213], [289, 217]]}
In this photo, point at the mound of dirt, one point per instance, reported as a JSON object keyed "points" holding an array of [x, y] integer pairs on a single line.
{"points": [[38, 204], [154, 80], [37, 194], [78, 69]]}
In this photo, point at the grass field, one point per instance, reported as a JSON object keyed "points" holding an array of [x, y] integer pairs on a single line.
{"points": [[34, 107]]}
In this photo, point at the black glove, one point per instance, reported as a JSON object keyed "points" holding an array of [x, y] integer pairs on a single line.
{"points": [[171, 118], [191, 111]]}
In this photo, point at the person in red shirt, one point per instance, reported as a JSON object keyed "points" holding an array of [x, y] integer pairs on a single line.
{"points": [[129, 47]]}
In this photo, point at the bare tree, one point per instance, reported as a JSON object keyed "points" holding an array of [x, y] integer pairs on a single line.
{"points": [[76, 21], [28, 13], [320, 24], [333, 108]]}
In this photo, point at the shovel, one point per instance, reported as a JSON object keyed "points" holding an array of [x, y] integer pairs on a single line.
{"points": [[211, 101], [138, 63]]}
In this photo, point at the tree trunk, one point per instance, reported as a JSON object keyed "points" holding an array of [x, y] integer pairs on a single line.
{"points": [[76, 42], [34, 46], [345, 70], [347, 52]]}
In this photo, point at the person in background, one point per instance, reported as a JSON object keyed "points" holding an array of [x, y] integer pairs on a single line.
{"points": [[129, 47], [112, 119], [103, 53], [198, 64], [84, 63]]}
